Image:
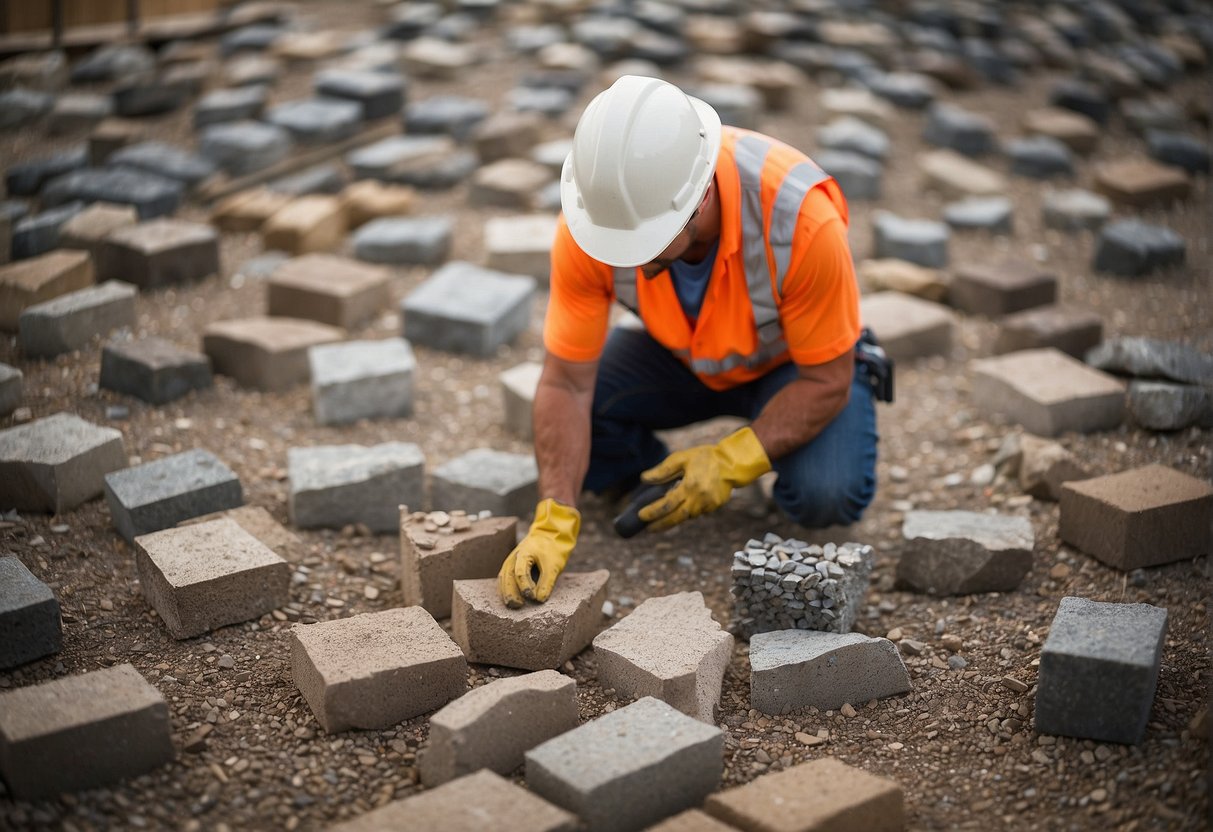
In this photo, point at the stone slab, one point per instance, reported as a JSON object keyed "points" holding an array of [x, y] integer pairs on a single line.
{"points": [[1079, 132], [309, 223], [1160, 405], [160, 253], [466, 308], [333, 486], [908, 327], [1039, 157], [28, 178], [266, 353], [376, 669], [380, 94], [1070, 329], [904, 277], [160, 494], [996, 288], [362, 380], [205, 576], [1074, 209], [234, 104], [958, 176], [955, 128], [83, 731], [1142, 517], [521, 245], [536, 637], [30, 627], [433, 557], [71, 321], [1099, 670], [153, 370], [1141, 183], [37, 234], [404, 241], [56, 463], [40, 279], [518, 386], [859, 176], [1045, 466], [485, 479], [994, 214], [791, 669], [330, 289], [964, 552], [164, 160]]}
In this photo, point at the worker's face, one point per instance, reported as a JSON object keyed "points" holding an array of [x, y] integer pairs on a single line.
{"points": [[687, 237]]}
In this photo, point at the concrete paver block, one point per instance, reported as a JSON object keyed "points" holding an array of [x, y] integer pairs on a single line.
{"points": [[38, 279], [518, 386], [816, 796], [362, 380], [376, 669], [83, 731], [494, 725], [329, 289], [207, 575], [536, 637], [1099, 670], [433, 557], [266, 353], [1072, 330], [244, 147], [12, 384], [908, 327], [692, 820], [30, 627], [484, 479], [260, 524], [607, 771], [160, 253], [89, 229], [1078, 132], [963, 552], [466, 308], [958, 176], [1047, 392], [159, 494], [670, 648], [368, 200], [792, 669], [1000, 288], [309, 223], [1132, 248], [71, 321], [56, 463], [905, 277], [154, 370], [508, 183], [248, 210], [405, 240], [506, 134], [337, 485], [521, 245], [1142, 182], [1142, 517]]}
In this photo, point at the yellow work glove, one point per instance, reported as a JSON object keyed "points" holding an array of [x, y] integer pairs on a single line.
{"points": [[546, 547], [709, 475]]}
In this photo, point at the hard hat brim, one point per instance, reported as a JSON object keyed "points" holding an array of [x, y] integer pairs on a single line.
{"points": [[634, 247]]}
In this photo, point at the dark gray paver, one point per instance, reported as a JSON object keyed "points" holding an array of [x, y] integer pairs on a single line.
{"points": [[924, 242], [981, 213], [39, 233], [958, 129], [70, 321], [153, 370], [30, 627], [1153, 358], [792, 669], [404, 240], [466, 308], [160, 494], [1040, 157], [27, 178], [152, 195], [56, 463], [453, 115], [11, 384], [235, 104], [381, 94], [243, 147], [317, 120], [859, 176], [164, 160], [1160, 405], [962, 552], [1133, 248]]}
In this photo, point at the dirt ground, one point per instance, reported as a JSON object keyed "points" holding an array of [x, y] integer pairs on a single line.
{"points": [[961, 743]]}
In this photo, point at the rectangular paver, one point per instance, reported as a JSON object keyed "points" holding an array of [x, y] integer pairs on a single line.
{"points": [[792, 669], [260, 524], [908, 327], [71, 321], [266, 353], [159, 494], [963, 552], [160, 253], [248, 210], [362, 380], [521, 245], [39, 279], [56, 463], [1000, 288], [1069, 329], [338, 485], [329, 289], [88, 229], [433, 557], [310, 223], [30, 627], [154, 370], [485, 479], [465, 308]]}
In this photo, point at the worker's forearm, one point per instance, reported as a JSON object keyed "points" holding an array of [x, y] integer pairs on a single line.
{"points": [[562, 441], [796, 414]]}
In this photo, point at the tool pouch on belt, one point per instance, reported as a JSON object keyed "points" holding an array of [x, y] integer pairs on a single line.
{"points": [[876, 364]]}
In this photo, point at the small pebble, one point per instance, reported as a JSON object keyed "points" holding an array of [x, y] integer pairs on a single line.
{"points": [[608, 609], [226, 662]]}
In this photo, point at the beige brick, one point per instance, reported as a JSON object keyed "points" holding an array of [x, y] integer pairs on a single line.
{"points": [[82, 731], [506, 134], [956, 175], [160, 252], [816, 796], [309, 223], [428, 57], [202, 577], [518, 386], [908, 327], [536, 637], [248, 210], [266, 353], [368, 200], [494, 725], [330, 289], [521, 245], [88, 229], [433, 558], [895, 275], [692, 820], [508, 183], [38, 279], [1080, 133], [1142, 182], [260, 524], [376, 669]]}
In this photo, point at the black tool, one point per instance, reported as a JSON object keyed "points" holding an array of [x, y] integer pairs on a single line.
{"points": [[877, 364], [629, 524]]}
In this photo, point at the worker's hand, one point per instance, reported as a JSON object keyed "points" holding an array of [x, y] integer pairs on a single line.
{"points": [[709, 474], [546, 549]]}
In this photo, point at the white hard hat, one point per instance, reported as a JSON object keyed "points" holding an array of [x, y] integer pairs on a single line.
{"points": [[642, 158]]}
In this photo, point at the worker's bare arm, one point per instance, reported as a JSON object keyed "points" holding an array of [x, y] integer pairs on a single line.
{"points": [[562, 427], [803, 408]]}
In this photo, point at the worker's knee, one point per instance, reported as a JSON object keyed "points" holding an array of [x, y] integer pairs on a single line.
{"points": [[817, 502]]}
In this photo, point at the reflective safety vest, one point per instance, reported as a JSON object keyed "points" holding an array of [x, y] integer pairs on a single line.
{"points": [[738, 336]]}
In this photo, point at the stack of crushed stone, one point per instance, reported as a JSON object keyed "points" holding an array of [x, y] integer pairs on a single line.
{"points": [[789, 584]]}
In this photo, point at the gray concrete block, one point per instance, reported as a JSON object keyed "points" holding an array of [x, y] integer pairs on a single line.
{"points": [[1132, 248], [521, 245], [1160, 405], [1070, 329], [981, 213], [164, 160], [404, 240], [963, 552], [453, 115], [153, 370], [1074, 210], [1099, 670], [958, 129], [318, 179], [71, 321], [317, 120], [994, 288], [484, 479], [39, 233], [924, 242], [908, 327], [859, 176], [792, 669], [854, 136], [30, 627], [362, 380], [28, 178], [226, 105], [465, 308], [337, 485], [11, 385], [56, 463], [630, 768], [151, 195], [1040, 157], [243, 147], [160, 494], [380, 94]]}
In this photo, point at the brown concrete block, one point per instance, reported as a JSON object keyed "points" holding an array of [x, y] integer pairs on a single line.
{"points": [[692, 820], [78, 732], [1000, 288], [908, 327], [1069, 329], [1047, 392], [160, 252], [480, 801], [367, 200], [309, 223], [329, 289], [88, 229], [1142, 182], [109, 137], [1080, 133], [536, 637], [506, 134], [433, 557], [1143, 517], [202, 577], [248, 210], [508, 183], [38, 279], [376, 669], [260, 524], [494, 725], [266, 353], [816, 796]]}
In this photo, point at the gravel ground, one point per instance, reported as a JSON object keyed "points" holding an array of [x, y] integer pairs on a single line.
{"points": [[961, 744]]}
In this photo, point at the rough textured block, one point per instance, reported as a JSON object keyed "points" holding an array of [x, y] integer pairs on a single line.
{"points": [[159, 494], [1044, 466], [224, 105], [792, 669], [536, 637], [981, 213], [1133, 248], [1160, 405], [1153, 358], [1048, 392], [260, 524], [152, 195], [859, 176], [317, 120], [248, 210], [310, 223], [465, 805], [494, 725], [376, 669], [958, 129], [1143, 517], [362, 380], [924, 242], [338, 485], [485, 479], [40, 279], [1099, 670], [962, 552], [369, 200], [908, 327], [11, 384], [29, 617], [160, 253], [1039, 157], [244, 147], [669, 648], [266, 353], [88, 229], [508, 183], [71, 321], [904, 277], [57, 463], [824, 795], [433, 556], [1142, 182], [518, 386], [999, 288], [958, 176], [404, 240], [329, 289], [1072, 330], [164, 160], [36, 234], [521, 245], [208, 575], [606, 771], [465, 308], [692, 820], [380, 94], [153, 370], [83, 731], [28, 178]]}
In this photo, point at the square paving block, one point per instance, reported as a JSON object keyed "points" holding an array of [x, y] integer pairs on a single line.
{"points": [[433, 557], [30, 627], [248, 210], [376, 669], [996, 289], [56, 463], [338, 485], [160, 494], [329, 289], [362, 380], [485, 479], [465, 308], [309, 223], [71, 321], [1142, 182], [368, 200], [266, 353], [89, 229], [38, 279], [208, 575], [1072, 330], [509, 183], [160, 253], [908, 327], [154, 370], [521, 245], [260, 524]]}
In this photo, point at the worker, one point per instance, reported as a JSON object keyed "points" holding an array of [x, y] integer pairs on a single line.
{"points": [[731, 248]]}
